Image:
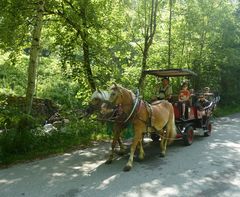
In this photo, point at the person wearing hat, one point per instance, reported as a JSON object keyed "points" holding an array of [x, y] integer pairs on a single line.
{"points": [[208, 95], [206, 90], [165, 92]]}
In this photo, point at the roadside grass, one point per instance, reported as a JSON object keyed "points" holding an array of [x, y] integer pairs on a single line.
{"points": [[63, 143], [28, 145], [226, 110]]}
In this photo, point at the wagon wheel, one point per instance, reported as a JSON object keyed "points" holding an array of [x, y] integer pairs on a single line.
{"points": [[209, 129], [188, 136], [155, 137]]}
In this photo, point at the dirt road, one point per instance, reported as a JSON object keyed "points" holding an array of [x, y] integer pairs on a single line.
{"points": [[207, 168]]}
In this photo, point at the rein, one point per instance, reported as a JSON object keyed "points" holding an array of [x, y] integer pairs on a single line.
{"points": [[113, 117]]}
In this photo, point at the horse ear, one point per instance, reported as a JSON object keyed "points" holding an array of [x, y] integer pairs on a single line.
{"points": [[98, 90]]}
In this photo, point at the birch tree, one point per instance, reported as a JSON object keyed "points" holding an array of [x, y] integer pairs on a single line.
{"points": [[34, 53]]}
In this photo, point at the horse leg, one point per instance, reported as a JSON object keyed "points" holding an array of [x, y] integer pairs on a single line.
{"points": [[122, 147], [163, 142], [116, 136], [111, 154], [171, 131], [141, 151], [163, 146], [137, 138], [168, 136], [120, 142]]}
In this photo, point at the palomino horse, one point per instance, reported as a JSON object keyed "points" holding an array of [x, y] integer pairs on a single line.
{"points": [[158, 116], [100, 103]]}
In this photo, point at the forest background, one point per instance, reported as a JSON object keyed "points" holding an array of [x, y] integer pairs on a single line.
{"points": [[63, 50]]}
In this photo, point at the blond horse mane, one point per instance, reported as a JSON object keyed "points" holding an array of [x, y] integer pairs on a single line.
{"points": [[100, 94]]}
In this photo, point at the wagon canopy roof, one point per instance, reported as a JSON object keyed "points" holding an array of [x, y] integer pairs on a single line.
{"points": [[170, 72]]}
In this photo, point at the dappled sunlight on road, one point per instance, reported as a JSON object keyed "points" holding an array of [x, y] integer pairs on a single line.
{"points": [[209, 167], [234, 146], [9, 181], [87, 167], [105, 183], [150, 189]]}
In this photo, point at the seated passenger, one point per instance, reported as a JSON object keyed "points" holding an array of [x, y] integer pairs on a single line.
{"points": [[183, 97], [165, 91], [202, 113], [208, 95], [206, 90]]}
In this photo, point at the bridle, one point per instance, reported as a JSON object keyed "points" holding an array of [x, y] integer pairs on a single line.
{"points": [[117, 113]]}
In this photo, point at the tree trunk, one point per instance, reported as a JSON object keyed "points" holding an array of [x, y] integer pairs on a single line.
{"points": [[148, 39], [87, 66], [34, 52], [86, 62], [170, 34], [144, 64]]}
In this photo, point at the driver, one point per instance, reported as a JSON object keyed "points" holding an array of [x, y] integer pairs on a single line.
{"points": [[165, 91]]}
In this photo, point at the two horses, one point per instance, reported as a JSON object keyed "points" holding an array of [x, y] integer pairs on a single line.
{"points": [[159, 117]]}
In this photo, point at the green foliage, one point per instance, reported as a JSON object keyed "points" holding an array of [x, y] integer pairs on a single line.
{"points": [[18, 139], [15, 18], [9, 116], [16, 142], [130, 77], [12, 77]]}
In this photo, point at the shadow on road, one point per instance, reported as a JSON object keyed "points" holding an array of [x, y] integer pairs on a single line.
{"points": [[208, 167]]}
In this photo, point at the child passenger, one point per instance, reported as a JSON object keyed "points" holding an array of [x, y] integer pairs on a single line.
{"points": [[183, 97]]}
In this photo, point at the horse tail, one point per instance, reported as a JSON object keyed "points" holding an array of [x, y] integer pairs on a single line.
{"points": [[171, 127]]}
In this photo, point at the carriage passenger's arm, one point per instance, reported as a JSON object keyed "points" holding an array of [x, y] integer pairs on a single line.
{"points": [[168, 93]]}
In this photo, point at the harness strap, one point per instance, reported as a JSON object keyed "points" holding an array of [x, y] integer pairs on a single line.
{"points": [[149, 111]]}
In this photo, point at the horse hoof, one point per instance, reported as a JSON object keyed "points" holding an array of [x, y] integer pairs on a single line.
{"points": [[162, 155], [127, 168], [109, 161]]}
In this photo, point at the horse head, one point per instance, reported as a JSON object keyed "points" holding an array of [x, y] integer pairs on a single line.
{"points": [[97, 99], [120, 95], [116, 94]]}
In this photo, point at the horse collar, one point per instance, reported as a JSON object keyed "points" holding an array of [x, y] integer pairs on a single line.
{"points": [[134, 107]]}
